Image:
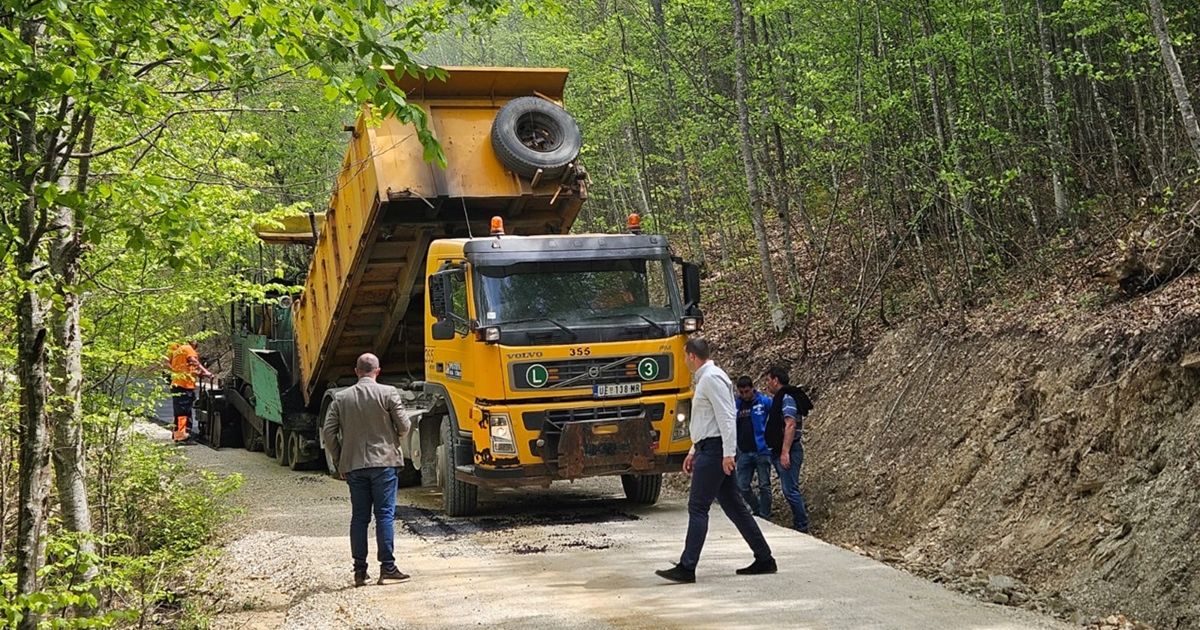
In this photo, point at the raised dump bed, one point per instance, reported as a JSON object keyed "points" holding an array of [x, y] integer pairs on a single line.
{"points": [[363, 289]]}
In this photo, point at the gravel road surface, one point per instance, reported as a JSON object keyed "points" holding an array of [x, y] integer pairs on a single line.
{"points": [[573, 556]]}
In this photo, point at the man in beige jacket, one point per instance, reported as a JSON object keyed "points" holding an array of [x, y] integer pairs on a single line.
{"points": [[362, 432]]}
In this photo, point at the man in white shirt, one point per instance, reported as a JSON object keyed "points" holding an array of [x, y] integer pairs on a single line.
{"points": [[711, 464]]}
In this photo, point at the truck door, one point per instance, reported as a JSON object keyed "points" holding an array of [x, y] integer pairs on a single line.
{"points": [[452, 330]]}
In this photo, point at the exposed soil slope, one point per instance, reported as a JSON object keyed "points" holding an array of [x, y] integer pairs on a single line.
{"points": [[1063, 451]]}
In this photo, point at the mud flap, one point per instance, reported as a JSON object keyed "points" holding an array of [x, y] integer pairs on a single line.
{"points": [[627, 444]]}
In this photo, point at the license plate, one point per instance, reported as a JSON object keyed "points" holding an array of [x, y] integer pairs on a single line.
{"points": [[616, 389]]}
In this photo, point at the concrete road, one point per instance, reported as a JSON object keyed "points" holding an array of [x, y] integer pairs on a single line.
{"points": [[574, 556]]}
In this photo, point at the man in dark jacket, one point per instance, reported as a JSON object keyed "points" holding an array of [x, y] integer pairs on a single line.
{"points": [[782, 435], [753, 457]]}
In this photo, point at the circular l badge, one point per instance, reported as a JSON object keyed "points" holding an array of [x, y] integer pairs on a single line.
{"points": [[537, 375]]}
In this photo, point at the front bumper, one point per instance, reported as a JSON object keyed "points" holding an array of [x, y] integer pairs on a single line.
{"points": [[537, 474], [587, 438]]}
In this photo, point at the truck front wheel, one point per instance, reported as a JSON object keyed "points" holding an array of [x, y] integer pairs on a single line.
{"points": [[458, 497], [642, 489]]}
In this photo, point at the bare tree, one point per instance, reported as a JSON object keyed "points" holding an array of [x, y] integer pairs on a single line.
{"points": [[1053, 121], [1171, 64], [778, 317]]}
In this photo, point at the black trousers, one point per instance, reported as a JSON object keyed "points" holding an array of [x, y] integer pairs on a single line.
{"points": [[709, 483]]}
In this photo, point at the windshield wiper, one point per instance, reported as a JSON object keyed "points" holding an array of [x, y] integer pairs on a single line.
{"points": [[528, 320], [661, 330]]}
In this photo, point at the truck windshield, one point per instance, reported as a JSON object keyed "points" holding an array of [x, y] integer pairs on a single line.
{"points": [[579, 295]]}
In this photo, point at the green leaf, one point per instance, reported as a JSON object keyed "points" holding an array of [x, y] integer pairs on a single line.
{"points": [[235, 8], [64, 74]]}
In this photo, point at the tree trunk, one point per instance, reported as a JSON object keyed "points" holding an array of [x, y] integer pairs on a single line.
{"points": [[31, 360], [1053, 122], [67, 416], [779, 179], [636, 131], [681, 160], [778, 317], [1139, 120], [1113, 147], [1182, 101]]}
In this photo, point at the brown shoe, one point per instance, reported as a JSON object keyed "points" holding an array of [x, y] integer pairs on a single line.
{"points": [[392, 575]]}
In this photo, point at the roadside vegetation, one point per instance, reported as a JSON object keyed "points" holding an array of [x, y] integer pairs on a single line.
{"points": [[141, 143]]}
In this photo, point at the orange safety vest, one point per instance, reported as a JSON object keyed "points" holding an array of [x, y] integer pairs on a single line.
{"points": [[183, 372]]}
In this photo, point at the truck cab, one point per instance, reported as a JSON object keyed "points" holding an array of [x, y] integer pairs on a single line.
{"points": [[557, 357]]}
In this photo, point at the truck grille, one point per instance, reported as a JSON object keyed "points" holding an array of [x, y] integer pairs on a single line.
{"points": [[574, 373], [536, 420]]}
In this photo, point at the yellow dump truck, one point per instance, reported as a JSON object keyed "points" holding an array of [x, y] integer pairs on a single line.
{"points": [[526, 354]]}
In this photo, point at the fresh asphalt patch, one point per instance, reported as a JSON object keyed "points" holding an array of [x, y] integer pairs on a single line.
{"points": [[430, 524]]}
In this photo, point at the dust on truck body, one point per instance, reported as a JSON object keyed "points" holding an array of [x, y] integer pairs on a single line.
{"points": [[525, 354]]}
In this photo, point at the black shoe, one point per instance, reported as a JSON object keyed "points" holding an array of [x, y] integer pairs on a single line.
{"points": [[677, 574], [360, 578], [392, 575], [759, 567]]}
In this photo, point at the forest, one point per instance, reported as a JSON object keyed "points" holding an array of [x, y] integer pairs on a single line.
{"points": [[836, 167]]}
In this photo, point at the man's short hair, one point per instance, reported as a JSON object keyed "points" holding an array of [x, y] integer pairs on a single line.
{"points": [[779, 372], [367, 363], [698, 347], [744, 382]]}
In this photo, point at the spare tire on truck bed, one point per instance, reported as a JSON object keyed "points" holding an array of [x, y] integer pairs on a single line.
{"points": [[531, 133]]}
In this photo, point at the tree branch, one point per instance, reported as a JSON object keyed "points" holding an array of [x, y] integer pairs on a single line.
{"points": [[144, 135]]}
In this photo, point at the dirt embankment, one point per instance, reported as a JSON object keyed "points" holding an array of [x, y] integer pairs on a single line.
{"points": [[1063, 453]]}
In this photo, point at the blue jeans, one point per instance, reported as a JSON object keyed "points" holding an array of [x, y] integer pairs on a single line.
{"points": [[372, 488], [748, 465], [709, 483], [789, 482]]}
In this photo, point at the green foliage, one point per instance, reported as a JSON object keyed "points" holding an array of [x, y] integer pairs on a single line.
{"points": [[912, 121], [165, 516]]}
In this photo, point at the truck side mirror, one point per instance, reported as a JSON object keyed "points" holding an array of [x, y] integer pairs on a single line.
{"points": [[691, 288], [442, 330]]}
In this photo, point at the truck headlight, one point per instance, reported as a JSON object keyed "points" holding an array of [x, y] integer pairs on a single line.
{"points": [[683, 416], [502, 434]]}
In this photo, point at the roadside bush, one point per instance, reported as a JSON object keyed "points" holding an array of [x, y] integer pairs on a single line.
{"points": [[160, 516]]}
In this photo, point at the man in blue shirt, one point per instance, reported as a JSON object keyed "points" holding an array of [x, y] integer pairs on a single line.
{"points": [[753, 456], [783, 436]]}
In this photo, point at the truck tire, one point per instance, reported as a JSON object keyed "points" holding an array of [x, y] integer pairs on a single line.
{"points": [[281, 451], [531, 134], [458, 497], [295, 460], [642, 489], [407, 476]]}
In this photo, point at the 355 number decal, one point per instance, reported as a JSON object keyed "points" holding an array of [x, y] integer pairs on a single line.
{"points": [[581, 351]]}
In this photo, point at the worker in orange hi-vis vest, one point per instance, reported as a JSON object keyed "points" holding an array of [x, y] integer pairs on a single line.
{"points": [[185, 367]]}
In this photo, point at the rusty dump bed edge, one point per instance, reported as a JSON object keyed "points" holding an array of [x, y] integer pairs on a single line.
{"points": [[364, 288]]}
